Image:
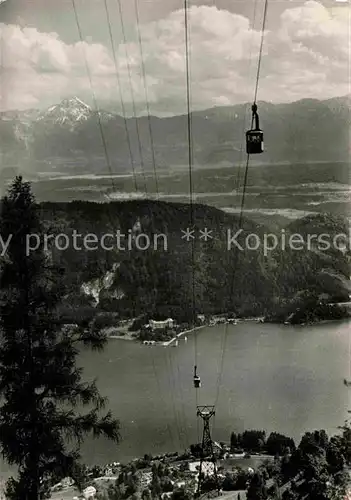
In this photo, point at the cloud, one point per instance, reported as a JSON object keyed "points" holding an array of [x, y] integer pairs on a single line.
{"points": [[306, 56]]}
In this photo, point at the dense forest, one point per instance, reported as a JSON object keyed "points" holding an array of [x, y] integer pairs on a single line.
{"points": [[180, 276]]}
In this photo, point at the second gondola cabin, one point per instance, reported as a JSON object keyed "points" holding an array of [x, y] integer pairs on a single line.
{"points": [[254, 137], [254, 142]]}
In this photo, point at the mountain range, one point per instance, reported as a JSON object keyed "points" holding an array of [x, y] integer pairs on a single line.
{"points": [[70, 132]]}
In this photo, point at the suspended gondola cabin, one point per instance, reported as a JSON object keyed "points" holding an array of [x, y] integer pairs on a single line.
{"points": [[197, 380], [254, 137]]}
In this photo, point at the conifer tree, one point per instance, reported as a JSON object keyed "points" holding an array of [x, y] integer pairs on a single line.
{"points": [[42, 394], [257, 489]]}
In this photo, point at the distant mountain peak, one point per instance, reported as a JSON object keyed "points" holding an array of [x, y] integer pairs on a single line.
{"points": [[69, 111], [301, 132], [75, 101]]}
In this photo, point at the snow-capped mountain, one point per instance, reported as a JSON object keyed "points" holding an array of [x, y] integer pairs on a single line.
{"points": [[68, 113], [71, 113]]}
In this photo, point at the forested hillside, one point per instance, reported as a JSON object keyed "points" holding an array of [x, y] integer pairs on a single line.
{"points": [[164, 281]]}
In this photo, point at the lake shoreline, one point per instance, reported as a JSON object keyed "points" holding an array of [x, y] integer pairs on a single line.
{"points": [[313, 323], [130, 336], [169, 342]]}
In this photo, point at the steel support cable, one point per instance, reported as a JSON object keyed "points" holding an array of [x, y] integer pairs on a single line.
{"points": [[104, 143], [170, 374], [219, 382], [221, 349], [347, 382], [161, 397], [172, 389], [134, 107], [197, 420], [128, 137], [111, 218], [121, 95], [259, 59], [178, 422], [171, 380], [146, 95], [181, 426], [181, 414], [184, 427], [261, 48], [93, 94], [249, 76], [142, 165], [191, 196], [178, 418], [3, 85], [133, 100], [182, 403], [181, 429], [190, 163], [132, 95], [223, 340]]}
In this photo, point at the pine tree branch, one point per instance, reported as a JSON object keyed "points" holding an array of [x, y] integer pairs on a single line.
{"points": [[38, 361], [76, 427]]}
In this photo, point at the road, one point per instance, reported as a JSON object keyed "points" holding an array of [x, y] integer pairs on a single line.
{"points": [[234, 495]]}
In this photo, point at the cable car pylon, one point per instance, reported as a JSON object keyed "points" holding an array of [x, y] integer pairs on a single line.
{"points": [[208, 461]]}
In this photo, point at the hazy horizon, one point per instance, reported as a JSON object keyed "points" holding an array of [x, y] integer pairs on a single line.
{"points": [[104, 106], [48, 54]]}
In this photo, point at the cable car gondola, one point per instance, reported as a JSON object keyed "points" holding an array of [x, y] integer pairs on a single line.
{"points": [[197, 380], [254, 137]]}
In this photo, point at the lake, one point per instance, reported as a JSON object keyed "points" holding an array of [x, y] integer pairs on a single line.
{"points": [[283, 378], [278, 378]]}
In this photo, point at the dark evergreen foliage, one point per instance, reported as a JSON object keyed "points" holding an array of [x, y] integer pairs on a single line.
{"points": [[159, 282], [257, 489], [278, 444], [41, 388]]}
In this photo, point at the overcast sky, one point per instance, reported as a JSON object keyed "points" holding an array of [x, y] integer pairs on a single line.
{"points": [[306, 52]]}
